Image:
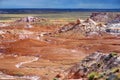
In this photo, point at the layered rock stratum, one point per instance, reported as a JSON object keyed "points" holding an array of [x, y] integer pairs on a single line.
{"points": [[97, 66]]}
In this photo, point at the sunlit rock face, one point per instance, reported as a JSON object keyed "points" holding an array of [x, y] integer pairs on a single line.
{"points": [[97, 24], [16, 34], [111, 21], [97, 63], [4, 24], [106, 17], [85, 27], [113, 28]]}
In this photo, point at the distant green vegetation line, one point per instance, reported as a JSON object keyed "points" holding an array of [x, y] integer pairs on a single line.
{"points": [[52, 16]]}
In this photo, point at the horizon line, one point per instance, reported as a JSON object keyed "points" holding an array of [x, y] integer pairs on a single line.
{"points": [[59, 8]]}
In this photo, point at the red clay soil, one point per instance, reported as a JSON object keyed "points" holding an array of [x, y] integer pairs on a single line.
{"points": [[56, 53]]}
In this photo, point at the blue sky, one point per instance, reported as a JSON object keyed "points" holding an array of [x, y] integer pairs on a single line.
{"points": [[59, 3]]}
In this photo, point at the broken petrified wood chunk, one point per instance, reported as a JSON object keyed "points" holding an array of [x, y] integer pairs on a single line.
{"points": [[97, 63]]}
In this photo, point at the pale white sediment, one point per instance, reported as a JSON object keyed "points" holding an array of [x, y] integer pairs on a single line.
{"points": [[5, 76], [25, 62], [8, 77]]}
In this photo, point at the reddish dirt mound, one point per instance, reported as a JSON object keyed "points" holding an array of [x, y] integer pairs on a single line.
{"points": [[28, 43]]}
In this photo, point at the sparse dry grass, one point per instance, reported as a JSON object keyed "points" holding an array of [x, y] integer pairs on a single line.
{"points": [[71, 16]]}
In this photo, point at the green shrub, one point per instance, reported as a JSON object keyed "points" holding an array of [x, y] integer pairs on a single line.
{"points": [[115, 70], [101, 76], [118, 75], [18, 74], [114, 54], [92, 75], [55, 79]]}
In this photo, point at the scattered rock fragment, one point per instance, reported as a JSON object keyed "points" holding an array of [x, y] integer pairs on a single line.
{"points": [[95, 66]]}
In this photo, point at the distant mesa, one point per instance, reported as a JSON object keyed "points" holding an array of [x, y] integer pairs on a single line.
{"points": [[106, 17]]}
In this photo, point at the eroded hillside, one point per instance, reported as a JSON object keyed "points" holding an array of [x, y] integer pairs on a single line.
{"points": [[39, 50]]}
